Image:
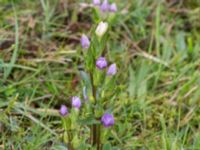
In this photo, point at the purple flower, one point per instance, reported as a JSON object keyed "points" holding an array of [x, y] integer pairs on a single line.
{"points": [[63, 110], [105, 6], [107, 120], [76, 102], [112, 70], [113, 7], [101, 63], [85, 42], [96, 2]]}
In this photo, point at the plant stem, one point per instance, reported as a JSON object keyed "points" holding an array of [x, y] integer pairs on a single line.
{"points": [[69, 134], [69, 140], [94, 130], [98, 137], [91, 134], [94, 135]]}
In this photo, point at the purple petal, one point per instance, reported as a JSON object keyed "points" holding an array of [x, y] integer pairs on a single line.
{"points": [[63, 110], [112, 70], [113, 7], [101, 63], [85, 42], [105, 6], [96, 2], [76, 102], [107, 120]]}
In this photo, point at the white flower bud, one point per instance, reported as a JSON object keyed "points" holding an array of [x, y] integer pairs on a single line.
{"points": [[101, 29]]}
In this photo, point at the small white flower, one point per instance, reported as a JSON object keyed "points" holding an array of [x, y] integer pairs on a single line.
{"points": [[101, 29]]}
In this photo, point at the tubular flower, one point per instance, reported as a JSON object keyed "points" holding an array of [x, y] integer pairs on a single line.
{"points": [[113, 7], [76, 102], [105, 6], [101, 63], [112, 70], [63, 110], [96, 2], [85, 42], [101, 29], [107, 120]]}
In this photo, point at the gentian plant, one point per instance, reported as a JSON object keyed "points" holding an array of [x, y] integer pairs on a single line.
{"points": [[95, 112]]}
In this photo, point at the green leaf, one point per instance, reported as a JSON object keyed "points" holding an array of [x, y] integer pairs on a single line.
{"points": [[16, 47], [107, 146], [88, 121], [86, 79]]}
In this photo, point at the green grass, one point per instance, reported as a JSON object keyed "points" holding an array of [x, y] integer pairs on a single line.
{"points": [[155, 45]]}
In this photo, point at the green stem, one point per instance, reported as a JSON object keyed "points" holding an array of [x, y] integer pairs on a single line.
{"points": [[69, 134], [94, 127], [94, 135], [98, 137], [91, 135]]}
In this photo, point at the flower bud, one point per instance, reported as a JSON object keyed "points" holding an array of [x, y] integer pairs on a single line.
{"points": [[101, 63], [63, 110], [76, 102], [113, 7], [105, 6], [112, 70], [107, 120], [96, 2], [101, 29], [85, 97], [85, 42]]}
